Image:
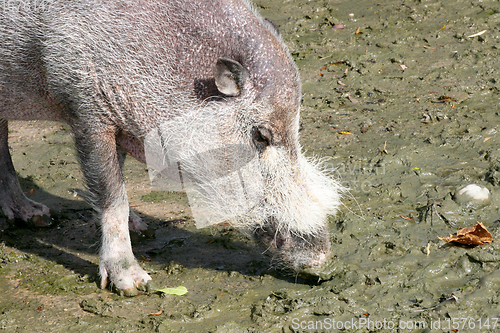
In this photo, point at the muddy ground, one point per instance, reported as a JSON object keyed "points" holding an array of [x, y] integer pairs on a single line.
{"points": [[404, 102]]}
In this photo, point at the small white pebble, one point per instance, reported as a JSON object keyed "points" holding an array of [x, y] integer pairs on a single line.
{"points": [[472, 194]]}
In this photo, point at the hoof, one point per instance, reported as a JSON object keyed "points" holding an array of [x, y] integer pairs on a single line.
{"points": [[149, 287], [40, 221], [36, 221], [130, 292]]}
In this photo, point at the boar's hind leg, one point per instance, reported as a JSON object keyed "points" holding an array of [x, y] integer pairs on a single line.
{"points": [[99, 159], [13, 202]]}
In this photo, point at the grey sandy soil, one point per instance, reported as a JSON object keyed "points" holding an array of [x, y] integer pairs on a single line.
{"points": [[406, 106]]}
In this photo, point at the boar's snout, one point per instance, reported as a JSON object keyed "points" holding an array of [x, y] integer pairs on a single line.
{"points": [[294, 251]]}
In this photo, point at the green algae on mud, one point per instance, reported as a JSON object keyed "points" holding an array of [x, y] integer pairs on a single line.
{"points": [[409, 152]]}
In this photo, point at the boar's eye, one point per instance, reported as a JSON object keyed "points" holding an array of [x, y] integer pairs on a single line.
{"points": [[261, 137]]}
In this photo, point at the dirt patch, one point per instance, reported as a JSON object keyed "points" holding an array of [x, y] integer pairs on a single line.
{"points": [[404, 103]]}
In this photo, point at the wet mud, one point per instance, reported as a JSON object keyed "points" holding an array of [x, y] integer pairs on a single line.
{"points": [[401, 96]]}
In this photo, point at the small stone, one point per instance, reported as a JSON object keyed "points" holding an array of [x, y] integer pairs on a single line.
{"points": [[473, 195]]}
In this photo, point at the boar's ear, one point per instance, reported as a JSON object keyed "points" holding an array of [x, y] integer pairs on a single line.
{"points": [[230, 76]]}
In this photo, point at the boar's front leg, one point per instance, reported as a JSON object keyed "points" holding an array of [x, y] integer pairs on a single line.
{"points": [[118, 267], [135, 223]]}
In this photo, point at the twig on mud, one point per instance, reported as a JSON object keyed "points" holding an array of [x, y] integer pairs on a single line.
{"points": [[156, 313], [430, 209], [352, 99], [477, 34], [327, 57], [385, 150], [450, 298]]}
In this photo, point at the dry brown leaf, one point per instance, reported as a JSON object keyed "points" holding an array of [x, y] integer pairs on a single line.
{"points": [[475, 235]]}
